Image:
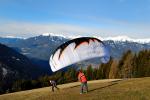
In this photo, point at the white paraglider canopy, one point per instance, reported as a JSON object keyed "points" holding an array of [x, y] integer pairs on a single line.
{"points": [[76, 50]]}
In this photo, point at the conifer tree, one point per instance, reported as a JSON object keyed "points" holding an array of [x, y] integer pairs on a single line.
{"points": [[113, 69], [89, 72], [125, 65]]}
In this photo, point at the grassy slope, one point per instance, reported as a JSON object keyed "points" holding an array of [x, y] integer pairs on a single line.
{"points": [[129, 89]]}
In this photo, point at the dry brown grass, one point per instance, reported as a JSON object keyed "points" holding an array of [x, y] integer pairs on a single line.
{"points": [[129, 89]]}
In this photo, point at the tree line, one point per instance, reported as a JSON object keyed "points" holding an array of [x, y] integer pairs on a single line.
{"points": [[130, 65]]}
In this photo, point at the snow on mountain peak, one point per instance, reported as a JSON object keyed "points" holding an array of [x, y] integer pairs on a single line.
{"points": [[60, 35], [116, 38], [126, 38], [53, 34], [12, 37], [9, 36]]}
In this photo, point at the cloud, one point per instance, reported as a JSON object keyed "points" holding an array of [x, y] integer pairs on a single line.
{"points": [[31, 29], [27, 29], [125, 27]]}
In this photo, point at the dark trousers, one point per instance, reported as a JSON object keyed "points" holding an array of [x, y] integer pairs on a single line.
{"points": [[54, 86], [84, 87]]}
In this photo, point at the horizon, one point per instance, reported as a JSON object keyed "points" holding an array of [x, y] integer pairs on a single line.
{"points": [[101, 18], [122, 38]]}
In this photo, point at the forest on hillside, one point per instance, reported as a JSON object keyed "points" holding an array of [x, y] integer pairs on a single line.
{"points": [[130, 65]]}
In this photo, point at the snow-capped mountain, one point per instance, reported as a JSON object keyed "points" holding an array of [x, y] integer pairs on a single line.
{"points": [[52, 34], [122, 38], [126, 38], [41, 47]]}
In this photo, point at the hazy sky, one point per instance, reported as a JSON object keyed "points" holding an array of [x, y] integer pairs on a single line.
{"points": [[105, 18]]}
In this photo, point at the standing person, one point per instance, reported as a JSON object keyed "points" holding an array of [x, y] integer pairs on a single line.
{"points": [[82, 78], [54, 85]]}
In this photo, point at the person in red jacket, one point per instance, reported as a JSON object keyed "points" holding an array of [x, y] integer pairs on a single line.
{"points": [[82, 78]]}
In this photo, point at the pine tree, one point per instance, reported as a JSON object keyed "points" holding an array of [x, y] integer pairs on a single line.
{"points": [[70, 75], [95, 70], [107, 67], [143, 62], [113, 69], [59, 77], [99, 74], [135, 67], [89, 72], [126, 65]]}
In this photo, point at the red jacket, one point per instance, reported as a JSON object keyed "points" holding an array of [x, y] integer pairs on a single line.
{"points": [[82, 77]]}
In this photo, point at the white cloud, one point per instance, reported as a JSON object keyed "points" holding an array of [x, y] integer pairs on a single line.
{"points": [[32, 29], [24, 29]]}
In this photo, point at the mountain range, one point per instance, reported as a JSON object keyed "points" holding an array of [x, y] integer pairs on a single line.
{"points": [[41, 47], [30, 57]]}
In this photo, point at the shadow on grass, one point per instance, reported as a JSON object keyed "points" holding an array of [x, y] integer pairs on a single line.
{"points": [[74, 86], [102, 87], [112, 83]]}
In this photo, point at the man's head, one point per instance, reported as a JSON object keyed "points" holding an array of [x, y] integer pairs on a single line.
{"points": [[80, 71]]}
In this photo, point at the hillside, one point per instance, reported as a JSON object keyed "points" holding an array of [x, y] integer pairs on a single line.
{"points": [[15, 66], [127, 89]]}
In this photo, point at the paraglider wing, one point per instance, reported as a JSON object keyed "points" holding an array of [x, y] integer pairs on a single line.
{"points": [[76, 50]]}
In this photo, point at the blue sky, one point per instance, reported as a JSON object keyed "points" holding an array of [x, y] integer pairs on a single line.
{"points": [[105, 18]]}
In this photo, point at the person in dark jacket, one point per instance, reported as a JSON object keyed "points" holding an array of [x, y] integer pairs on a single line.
{"points": [[54, 85]]}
